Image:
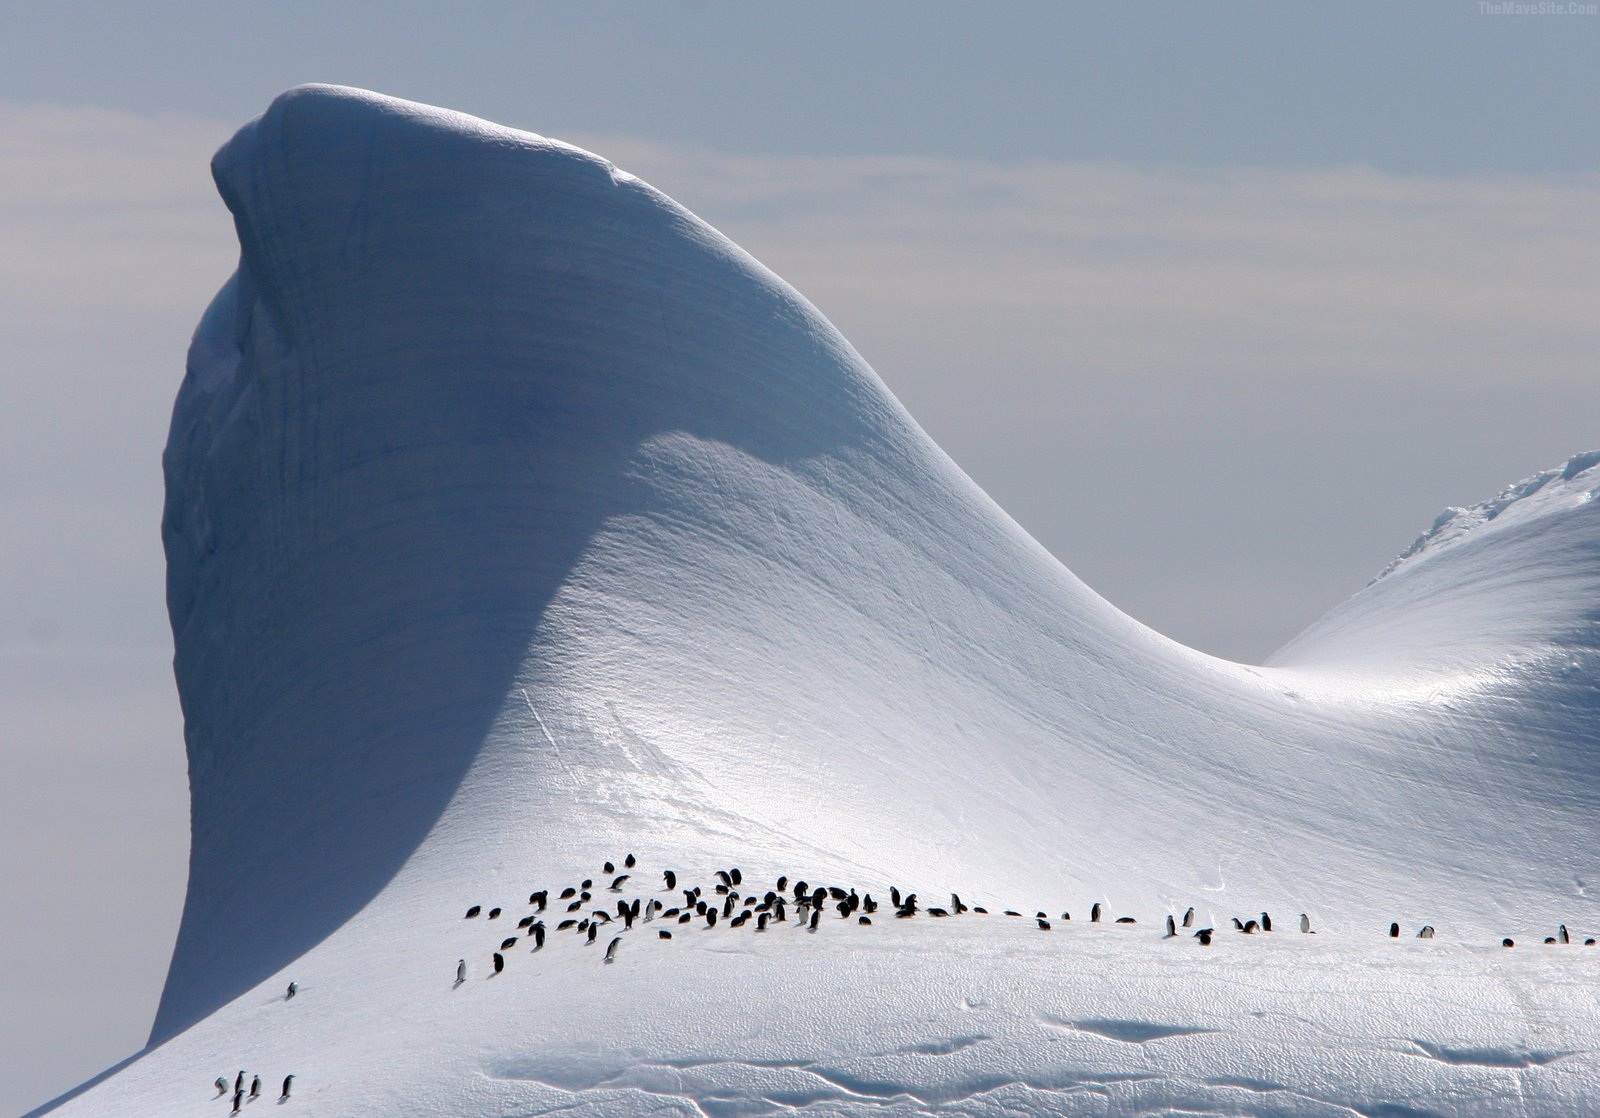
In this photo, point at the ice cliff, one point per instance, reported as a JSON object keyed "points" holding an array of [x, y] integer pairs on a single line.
{"points": [[517, 520]]}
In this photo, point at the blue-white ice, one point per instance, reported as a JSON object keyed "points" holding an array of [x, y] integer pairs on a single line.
{"points": [[517, 520]]}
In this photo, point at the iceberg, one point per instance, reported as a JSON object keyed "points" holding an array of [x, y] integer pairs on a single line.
{"points": [[518, 523]]}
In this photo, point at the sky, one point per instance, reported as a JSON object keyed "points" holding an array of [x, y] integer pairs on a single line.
{"points": [[1223, 303]]}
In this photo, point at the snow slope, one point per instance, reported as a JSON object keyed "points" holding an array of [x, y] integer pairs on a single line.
{"points": [[517, 521]]}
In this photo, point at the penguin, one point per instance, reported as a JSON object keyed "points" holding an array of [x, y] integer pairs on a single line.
{"points": [[565, 924], [761, 922], [577, 903], [1305, 925], [294, 988], [711, 918], [931, 912], [955, 905], [663, 933], [740, 920], [461, 971], [670, 879], [868, 920], [255, 1087], [1126, 920], [1589, 942], [1549, 939], [494, 913], [541, 898], [221, 1085], [801, 889], [568, 893], [816, 914], [473, 911], [538, 935], [894, 895], [616, 884], [722, 876], [738, 878], [627, 918], [499, 962], [629, 862], [611, 950], [527, 921], [1172, 928], [783, 883], [818, 895], [980, 910], [685, 917], [1249, 928], [1394, 931], [508, 943], [1094, 913], [700, 908], [1044, 925], [594, 930], [1562, 936], [238, 1099], [727, 905], [869, 906], [609, 868], [1065, 915], [1188, 917], [1204, 936], [238, 1081], [1238, 924], [1508, 942], [287, 1081], [600, 916], [1426, 933], [837, 893], [1266, 922], [587, 883]]}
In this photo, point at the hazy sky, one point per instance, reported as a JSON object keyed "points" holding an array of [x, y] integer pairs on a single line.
{"points": [[1223, 303]]}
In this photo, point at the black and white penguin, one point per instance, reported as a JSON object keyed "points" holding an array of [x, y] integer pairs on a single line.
{"points": [[1172, 927], [1394, 931], [1238, 924], [221, 1085], [711, 918], [611, 949], [670, 879], [931, 912], [594, 930], [727, 905], [1562, 935], [1249, 928], [288, 1080], [541, 898], [722, 876], [565, 924], [1426, 933], [461, 971], [494, 913], [499, 962], [629, 862], [894, 895], [255, 1087], [1589, 942], [761, 921], [1044, 925], [616, 883], [816, 914], [663, 933], [1508, 942], [1266, 922], [1064, 914], [868, 920], [587, 883], [1188, 917], [783, 883], [980, 910], [956, 906], [1204, 936], [1094, 913], [1305, 925], [294, 988], [238, 1099], [609, 868], [868, 905], [538, 935], [238, 1081], [568, 893], [1549, 939], [738, 878], [1126, 920], [508, 943], [473, 911]]}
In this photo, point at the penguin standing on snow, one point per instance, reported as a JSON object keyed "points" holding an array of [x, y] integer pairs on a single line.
{"points": [[1188, 917], [1394, 931], [1204, 936], [611, 950], [1172, 929], [221, 1085], [255, 1087], [1305, 925], [1426, 933], [287, 1080], [1266, 922], [461, 971], [238, 1099], [1094, 913], [1562, 935], [499, 962], [538, 935], [294, 988], [629, 861]]}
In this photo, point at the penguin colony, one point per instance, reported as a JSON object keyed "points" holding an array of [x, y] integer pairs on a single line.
{"points": [[240, 1096], [726, 900]]}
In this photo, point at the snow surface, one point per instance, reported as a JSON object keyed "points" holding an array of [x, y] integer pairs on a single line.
{"points": [[518, 521]]}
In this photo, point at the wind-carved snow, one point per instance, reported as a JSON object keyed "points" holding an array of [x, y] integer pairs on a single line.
{"points": [[518, 521]]}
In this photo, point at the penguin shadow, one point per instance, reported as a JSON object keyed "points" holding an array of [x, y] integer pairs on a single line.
{"points": [[458, 983]]}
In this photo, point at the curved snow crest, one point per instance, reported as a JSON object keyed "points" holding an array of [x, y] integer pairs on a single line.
{"points": [[517, 519]]}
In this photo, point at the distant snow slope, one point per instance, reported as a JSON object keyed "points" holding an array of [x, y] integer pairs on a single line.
{"points": [[517, 520]]}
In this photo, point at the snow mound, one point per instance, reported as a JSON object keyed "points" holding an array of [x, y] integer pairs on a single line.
{"points": [[517, 521]]}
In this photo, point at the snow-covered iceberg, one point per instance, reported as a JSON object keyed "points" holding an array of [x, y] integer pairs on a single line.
{"points": [[518, 522]]}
